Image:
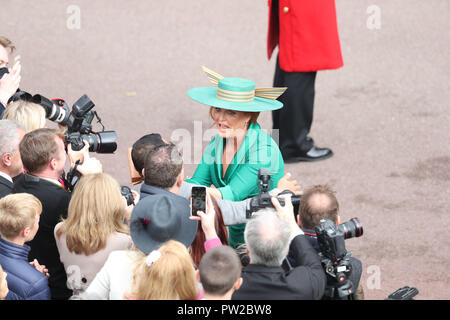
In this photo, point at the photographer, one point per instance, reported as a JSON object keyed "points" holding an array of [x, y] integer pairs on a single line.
{"points": [[9, 78], [269, 236], [43, 156], [319, 202]]}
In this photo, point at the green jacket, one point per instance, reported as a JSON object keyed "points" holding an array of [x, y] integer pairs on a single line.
{"points": [[258, 150]]}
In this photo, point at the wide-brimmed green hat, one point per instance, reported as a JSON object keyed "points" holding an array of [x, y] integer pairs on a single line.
{"points": [[236, 94]]}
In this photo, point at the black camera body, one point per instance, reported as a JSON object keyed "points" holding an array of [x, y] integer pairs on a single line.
{"points": [[263, 199], [404, 293], [335, 258], [127, 194], [78, 123]]}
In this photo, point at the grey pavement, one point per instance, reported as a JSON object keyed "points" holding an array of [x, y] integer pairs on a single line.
{"points": [[384, 114]]}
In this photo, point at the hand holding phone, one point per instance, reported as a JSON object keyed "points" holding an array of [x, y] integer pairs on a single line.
{"points": [[198, 200]]}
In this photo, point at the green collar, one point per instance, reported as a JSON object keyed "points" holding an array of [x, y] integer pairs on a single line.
{"points": [[239, 158]]}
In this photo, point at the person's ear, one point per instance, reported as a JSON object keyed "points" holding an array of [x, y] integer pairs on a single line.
{"points": [[143, 172], [53, 164], [7, 159], [180, 178], [238, 283], [338, 220], [299, 221], [25, 232]]}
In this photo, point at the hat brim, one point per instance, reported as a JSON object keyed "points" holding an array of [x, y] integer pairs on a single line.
{"points": [[146, 243], [207, 96]]}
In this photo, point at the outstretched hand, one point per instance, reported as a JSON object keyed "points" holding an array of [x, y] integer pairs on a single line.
{"points": [[286, 184]]}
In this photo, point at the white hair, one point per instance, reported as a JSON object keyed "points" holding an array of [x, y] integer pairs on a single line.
{"points": [[267, 238], [9, 137]]}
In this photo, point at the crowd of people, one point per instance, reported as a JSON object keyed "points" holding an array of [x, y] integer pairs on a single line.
{"points": [[88, 243]]}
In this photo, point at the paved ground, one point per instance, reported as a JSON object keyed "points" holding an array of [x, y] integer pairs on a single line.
{"points": [[384, 114]]}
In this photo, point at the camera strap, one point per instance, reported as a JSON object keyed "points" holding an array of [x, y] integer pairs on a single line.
{"points": [[73, 176]]}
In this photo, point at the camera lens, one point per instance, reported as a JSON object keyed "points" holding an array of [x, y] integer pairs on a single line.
{"points": [[351, 229], [102, 142]]}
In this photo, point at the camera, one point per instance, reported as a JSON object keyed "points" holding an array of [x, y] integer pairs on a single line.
{"points": [[79, 123], [127, 194], [404, 293], [263, 199], [56, 110], [335, 258]]}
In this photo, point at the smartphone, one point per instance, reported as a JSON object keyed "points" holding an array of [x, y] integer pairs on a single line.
{"points": [[198, 200]]}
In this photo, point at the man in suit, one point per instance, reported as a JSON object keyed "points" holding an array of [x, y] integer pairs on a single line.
{"points": [[43, 155], [11, 134], [307, 37], [269, 236]]}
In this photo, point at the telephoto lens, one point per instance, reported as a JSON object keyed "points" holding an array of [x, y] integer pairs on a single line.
{"points": [[102, 142], [351, 229]]}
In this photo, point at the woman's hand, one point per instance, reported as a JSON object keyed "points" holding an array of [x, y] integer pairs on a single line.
{"points": [[286, 184]]}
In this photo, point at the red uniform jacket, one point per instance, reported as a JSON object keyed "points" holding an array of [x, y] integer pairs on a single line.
{"points": [[306, 33]]}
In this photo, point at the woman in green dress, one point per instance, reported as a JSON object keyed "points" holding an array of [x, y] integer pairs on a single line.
{"points": [[232, 159]]}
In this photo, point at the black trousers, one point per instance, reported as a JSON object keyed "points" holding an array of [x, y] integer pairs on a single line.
{"points": [[295, 118]]}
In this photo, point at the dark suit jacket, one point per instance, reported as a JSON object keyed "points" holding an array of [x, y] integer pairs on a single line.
{"points": [[5, 187], [305, 282], [147, 190], [55, 202]]}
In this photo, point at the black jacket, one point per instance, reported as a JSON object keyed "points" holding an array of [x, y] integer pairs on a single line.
{"points": [[5, 187], [305, 282], [55, 202], [147, 190]]}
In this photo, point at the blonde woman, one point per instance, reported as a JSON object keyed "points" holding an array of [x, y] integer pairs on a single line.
{"points": [[156, 221], [94, 227], [30, 115], [165, 274]]}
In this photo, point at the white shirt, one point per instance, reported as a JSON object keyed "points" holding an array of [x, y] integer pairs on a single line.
{"points": [[54, 181], [4, 175]]}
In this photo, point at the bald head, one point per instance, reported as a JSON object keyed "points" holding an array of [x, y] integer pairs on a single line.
{"points": [[318, 202]]}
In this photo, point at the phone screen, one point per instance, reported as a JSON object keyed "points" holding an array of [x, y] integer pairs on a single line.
{"points": [[198, 200]]}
